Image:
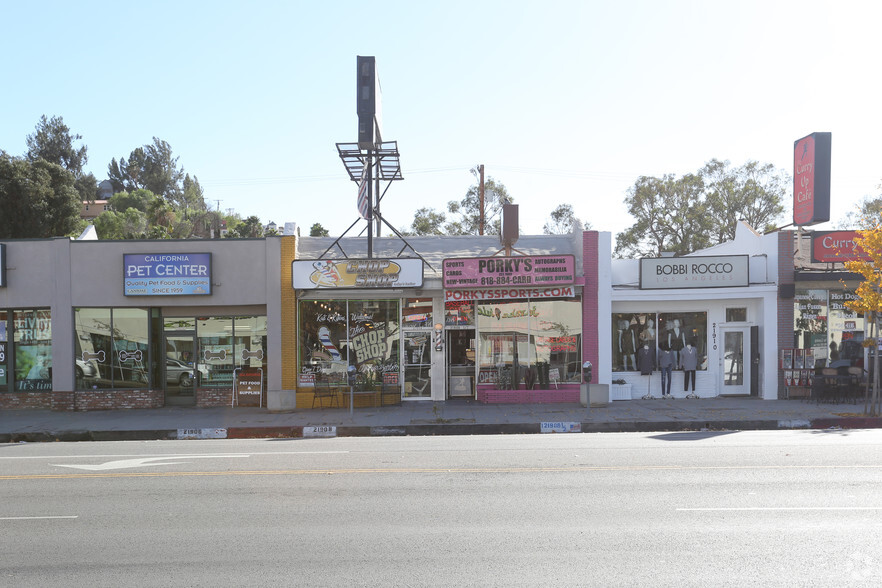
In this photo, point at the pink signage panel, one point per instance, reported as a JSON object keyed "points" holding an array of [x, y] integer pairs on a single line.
{"points": [[526, 270]]}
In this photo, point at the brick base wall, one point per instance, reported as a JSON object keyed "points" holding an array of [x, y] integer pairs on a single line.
{"points": [[206, 397], [25, 400], [107, 399]]}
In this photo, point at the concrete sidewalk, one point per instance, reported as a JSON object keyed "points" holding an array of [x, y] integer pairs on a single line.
{"points": [[454, 417]]}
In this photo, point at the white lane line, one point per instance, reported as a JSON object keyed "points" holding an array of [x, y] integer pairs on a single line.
{"points": [[161, 455], [38, 518], [765, 508]]}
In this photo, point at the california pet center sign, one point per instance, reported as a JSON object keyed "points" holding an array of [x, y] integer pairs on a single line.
{"points": [[167, 274], [694, 272]]}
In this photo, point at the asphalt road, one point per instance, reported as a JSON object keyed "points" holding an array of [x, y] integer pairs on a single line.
{"points": [[767, 508]]}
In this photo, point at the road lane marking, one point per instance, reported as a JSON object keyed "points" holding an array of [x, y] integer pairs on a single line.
{"points": [[772, 508], [143, 462], [170, 455], [38, 518]]}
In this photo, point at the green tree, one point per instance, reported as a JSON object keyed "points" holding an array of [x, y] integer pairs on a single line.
{"points": [[151, 167], [695, 211], [469, 210], [128, 224], [248, 228], [139, 199], [53, 141], [317, 230], [753, 193], [563, 220], [867, 215], [427, 221], [38, 199]]}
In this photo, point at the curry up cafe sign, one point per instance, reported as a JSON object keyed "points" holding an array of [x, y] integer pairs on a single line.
{"points": [[167, 274], [523, 271], [811, 179], [694, 272], [836, 246], [357, 273]]}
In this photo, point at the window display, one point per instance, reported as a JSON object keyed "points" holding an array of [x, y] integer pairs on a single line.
{"points": [[111, 348], [658, 331], [32, 340]]}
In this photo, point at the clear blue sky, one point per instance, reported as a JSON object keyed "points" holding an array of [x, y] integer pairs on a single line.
{"points": [[563, 102]]}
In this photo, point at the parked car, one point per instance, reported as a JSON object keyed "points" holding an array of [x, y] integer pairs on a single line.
{"points": [[85, 369], [179, 373]]}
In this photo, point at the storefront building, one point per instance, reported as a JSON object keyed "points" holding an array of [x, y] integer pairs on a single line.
{"points": [[818, 330], [711, 314], [137, 324], [462, 320]]}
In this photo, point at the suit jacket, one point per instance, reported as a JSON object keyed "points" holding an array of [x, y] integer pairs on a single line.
{"points": [[645, 361], [689, 359]]}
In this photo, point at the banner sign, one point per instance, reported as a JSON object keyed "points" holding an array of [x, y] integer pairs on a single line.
{"points": [[833, 246], [361, 273], [167, 274], [694, 272], [811, 179], [3, 381], [510, 293], [2, 265], [526, 270]]}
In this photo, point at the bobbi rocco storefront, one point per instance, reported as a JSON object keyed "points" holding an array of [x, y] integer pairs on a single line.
{"points": [[137, 324]]}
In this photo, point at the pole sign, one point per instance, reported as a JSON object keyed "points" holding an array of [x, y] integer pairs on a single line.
{"points": [[538, 271], [694, 272], [836, 246], [361, 273], [811, 179], [167, 274]]}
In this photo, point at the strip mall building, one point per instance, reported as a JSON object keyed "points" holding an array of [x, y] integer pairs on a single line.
{"points": [[88, 325]]}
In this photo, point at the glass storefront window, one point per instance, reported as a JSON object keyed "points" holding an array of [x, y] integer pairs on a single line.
{"points": [[824, 324], [633, 330], [520, 334], [32, 338], [810, 322], [322, 332], [417, 312], [111, 348], [215, 352], [459, 313]]}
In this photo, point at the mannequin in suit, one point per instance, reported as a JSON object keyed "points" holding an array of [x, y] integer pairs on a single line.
{"points": [[689, 363]]}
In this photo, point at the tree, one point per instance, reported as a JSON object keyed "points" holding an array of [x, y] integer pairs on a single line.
{"points": [[53, 142], [867, 215], [753, 193], [563, 220], [38, 199], [317, 230], [128, 224], [248, 228], [151, 167], [692, 212], [427, 221], [139, 199], [868, 300], [469, 210]]}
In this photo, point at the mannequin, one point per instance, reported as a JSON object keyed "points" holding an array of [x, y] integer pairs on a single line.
{"points": [[689, 363], [665, 365], [647, 335], [676, 340], [626, 344], [646, 365]]}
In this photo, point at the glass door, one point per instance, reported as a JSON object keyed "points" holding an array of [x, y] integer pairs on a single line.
{"points": [[736, 371], [181, 370], [417, 364], [461, 363]]}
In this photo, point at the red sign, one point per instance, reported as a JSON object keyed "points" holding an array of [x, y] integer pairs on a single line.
{"points": [[836, 246], [811, 179]]}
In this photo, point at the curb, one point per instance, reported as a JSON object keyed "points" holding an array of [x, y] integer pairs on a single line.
{"points": [[425, 430]]}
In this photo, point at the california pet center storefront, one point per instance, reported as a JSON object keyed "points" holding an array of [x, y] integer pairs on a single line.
{"points": [[136, 324]]}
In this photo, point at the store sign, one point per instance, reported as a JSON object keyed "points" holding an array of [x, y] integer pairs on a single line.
{"points": [[249, 385], [2, 265], [3, 381], [836, 246], [361, 273], [811, 179], [526, 270], [694, 272], [167, 274], [509, 293]]}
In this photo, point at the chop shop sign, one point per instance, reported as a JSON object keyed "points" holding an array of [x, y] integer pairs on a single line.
{"points": [[694, 272]]}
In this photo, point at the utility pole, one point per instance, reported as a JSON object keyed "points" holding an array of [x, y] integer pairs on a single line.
{"points": [[478, 172]]}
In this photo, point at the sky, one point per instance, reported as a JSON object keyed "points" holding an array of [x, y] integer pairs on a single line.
{"points": [[563, 102]]}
